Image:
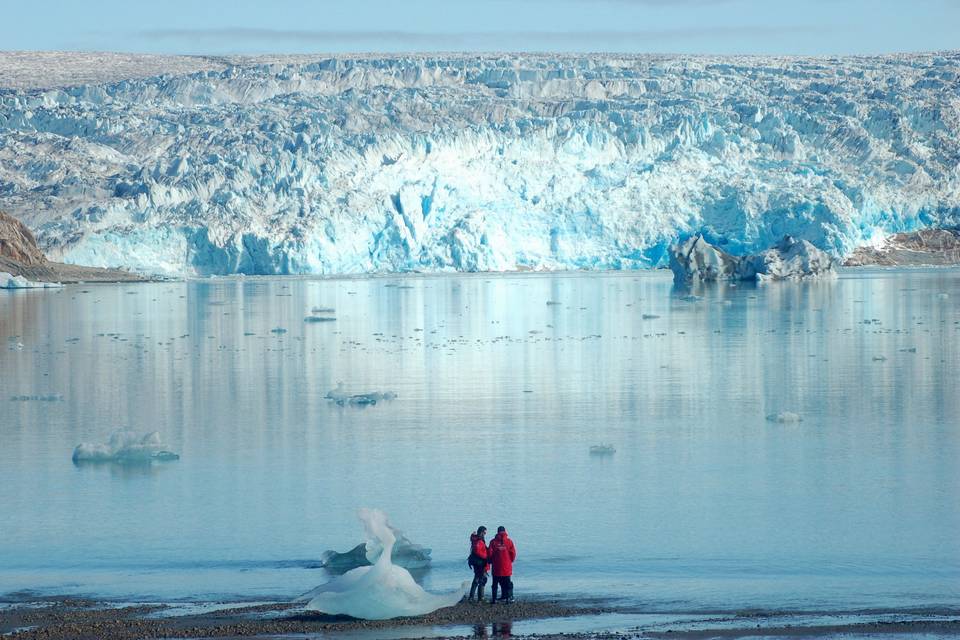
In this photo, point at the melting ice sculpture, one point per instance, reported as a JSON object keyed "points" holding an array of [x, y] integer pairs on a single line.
{"points": [[124, 447], [380, 591]]}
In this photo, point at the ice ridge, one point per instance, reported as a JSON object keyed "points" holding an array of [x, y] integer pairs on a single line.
{"points": [[355, 164]]}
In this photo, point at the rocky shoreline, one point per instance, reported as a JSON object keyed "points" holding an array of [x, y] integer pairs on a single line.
{"points": [[79, 619], [929, 247], [21, 258], [68, 618]]}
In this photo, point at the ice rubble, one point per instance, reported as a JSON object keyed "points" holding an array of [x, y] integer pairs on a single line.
{"points": [[342, 397], [473, 162], [696, 260], [10, 281], [382, 590], [785, 417], [125, 447]]}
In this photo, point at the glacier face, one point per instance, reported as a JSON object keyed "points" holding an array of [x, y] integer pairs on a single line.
{"points": [[354, 164]]}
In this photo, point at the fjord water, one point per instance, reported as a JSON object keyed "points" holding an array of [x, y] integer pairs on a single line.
{"points": [[503, 383]]}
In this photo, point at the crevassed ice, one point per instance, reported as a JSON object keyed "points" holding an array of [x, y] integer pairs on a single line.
{"points": [[381, 591], [477, 162]]}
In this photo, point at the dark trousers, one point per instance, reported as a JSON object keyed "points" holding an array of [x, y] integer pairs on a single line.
{"points": [[479, 580], [505, 584]]}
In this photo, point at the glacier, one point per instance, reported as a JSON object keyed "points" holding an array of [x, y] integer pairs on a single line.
{"points": [[365, 163]]}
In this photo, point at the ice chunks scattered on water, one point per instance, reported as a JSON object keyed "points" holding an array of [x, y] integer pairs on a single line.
{"points": [[342, 397], [125, 447], [785, 417], [37, 398], [380, 591]]}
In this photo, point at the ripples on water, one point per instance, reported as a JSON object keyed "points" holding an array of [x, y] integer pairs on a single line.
{"points": [[705, 504]]}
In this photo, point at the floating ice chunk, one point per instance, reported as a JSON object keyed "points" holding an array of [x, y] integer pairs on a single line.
{"points": [[10, 281], [943, 296], [125, 447], [338, 395], [785, 417], [342, 397], [696, 260], [602, 450], [37, 398], [319, 319], [381, 591], [323, 310], [278, 330]]}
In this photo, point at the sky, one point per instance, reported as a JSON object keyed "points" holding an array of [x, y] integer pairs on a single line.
{"points": [[805, 27]]}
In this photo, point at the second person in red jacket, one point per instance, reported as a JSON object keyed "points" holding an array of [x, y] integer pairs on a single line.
{"points": [[501, 553]]}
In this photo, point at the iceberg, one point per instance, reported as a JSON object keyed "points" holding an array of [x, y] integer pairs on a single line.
{"points": [[382, 590], [785, 417], [125, 447], [398, 163], [10, 281], [342, 397], [696, 260]]}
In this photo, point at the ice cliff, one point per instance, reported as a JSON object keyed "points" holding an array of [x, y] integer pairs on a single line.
{"points": [[471, 162]]}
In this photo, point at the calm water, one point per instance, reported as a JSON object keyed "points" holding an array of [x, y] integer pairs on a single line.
{"points": [[704, 505]]}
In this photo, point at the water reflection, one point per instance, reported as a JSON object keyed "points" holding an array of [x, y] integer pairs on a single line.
{"points": [[500, 396]]}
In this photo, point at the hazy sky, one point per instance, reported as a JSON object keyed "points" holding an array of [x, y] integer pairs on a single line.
{"points": [[672, 26]]}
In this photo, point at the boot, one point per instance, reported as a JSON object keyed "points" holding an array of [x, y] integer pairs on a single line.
{"points": [[480, 594]]}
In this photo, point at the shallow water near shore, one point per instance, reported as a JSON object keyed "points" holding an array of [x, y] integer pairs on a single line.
{"points": [[503, 383]]}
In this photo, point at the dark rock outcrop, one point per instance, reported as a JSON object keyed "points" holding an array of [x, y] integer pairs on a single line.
{"points": [[927, 247], [20, 256]]}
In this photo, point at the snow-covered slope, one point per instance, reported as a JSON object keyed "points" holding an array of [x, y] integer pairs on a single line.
{"points": [[358, 163]]}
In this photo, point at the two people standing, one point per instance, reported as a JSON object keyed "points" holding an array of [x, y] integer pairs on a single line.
{"points": [[500, 554]]}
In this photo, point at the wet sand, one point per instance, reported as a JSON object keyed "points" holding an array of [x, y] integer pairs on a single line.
{"points": [[76, 619]]}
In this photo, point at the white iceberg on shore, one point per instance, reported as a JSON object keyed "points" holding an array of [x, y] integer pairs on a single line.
{"points": [[381, 591]]}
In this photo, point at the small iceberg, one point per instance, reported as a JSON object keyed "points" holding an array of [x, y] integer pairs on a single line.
{"points": [[10, 281], [125, 447], [602, 450], [342, 397], [785, 417], [382, 590]]}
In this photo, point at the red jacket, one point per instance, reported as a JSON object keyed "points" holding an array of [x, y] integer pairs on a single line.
{"points": [[479, 548], [501, 554]]}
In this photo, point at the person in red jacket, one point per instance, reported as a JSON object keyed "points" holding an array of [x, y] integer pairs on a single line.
{"points": [[478, 562], [501, 553]]}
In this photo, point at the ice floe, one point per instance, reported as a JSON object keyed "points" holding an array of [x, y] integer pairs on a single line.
{"points": [[10, 281], [125, 447], [342, 397], [785, 417]]}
